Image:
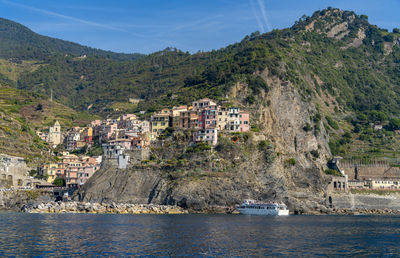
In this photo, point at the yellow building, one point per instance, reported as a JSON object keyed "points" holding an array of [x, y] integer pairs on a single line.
{"points": [[159, 122], [223, 117], [50, 171], [175, 115]]}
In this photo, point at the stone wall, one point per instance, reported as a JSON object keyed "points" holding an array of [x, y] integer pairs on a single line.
{"points": [[138, 155], [365, 201], [15, 171], [365, 173]]}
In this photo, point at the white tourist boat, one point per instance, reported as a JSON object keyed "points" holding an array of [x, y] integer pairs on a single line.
{"points": [[251, 207]]}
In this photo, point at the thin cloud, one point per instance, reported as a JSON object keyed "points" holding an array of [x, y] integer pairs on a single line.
{"points": [[54, 14], [197, 23], [264, 14], [82, 21], [257, 17]]}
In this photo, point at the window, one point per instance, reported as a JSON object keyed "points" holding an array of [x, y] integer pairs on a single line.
{"points": [[163, 123]]}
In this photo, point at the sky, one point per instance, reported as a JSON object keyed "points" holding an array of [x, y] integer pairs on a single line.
{"points": [[146, 26]]}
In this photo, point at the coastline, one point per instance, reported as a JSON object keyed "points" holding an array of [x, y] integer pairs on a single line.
{"points": [[125, 208], [102, 208]]}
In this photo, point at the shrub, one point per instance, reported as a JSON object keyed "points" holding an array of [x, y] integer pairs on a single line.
{"points": [[332, 123], [307, 127], [59, 182], [291, 162], [332, 172]]}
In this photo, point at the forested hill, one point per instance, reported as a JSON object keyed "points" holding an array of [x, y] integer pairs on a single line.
{"points": [[336, 59], [333, 51], [20, 43]]}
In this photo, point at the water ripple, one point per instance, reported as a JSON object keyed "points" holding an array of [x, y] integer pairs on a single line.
{"points": [[66, 235]]}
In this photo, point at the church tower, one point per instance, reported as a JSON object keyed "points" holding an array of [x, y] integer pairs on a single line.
{"points": [[55, 134]]}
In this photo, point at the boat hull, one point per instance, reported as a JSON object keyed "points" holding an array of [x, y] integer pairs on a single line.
{"points": [[264, 212]]}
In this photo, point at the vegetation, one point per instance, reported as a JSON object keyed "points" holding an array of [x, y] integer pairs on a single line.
{"points": [[20, 117], [291, 162], [59, 182], [353, 84], [332, 172]]}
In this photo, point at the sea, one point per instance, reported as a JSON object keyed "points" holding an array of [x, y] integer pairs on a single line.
{"points": [[88, 235]]}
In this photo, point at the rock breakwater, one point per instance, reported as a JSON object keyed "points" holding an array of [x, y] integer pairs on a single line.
{"points": [[102, 208]]}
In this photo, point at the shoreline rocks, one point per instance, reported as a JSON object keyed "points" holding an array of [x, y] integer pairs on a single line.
{"points": [[102, 208]]}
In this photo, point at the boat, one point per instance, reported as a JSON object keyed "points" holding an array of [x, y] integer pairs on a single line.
{"points": [[252, 207]]}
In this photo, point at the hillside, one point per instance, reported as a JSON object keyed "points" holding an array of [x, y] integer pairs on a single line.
{"points": [[20, 43], [335, 59], [22, 113]]}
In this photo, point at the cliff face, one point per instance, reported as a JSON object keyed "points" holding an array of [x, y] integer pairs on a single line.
{"points": [[283, 161]]}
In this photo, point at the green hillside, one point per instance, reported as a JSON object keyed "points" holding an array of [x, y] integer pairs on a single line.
{"points": [[22, 113], [20, 43], [335, 58]]}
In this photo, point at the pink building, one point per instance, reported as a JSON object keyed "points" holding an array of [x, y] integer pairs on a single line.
{"points": [[203, 103], [209, 135], [125, 143], [85, 173], [109, 130], [209, 117], [244, 121], [95, 123]]}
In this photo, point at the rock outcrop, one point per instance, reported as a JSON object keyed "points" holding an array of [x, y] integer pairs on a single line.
{"points": [[282, 162], [113, 208]]}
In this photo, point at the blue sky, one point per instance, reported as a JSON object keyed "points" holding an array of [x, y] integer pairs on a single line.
{"points": [[146, 26]]}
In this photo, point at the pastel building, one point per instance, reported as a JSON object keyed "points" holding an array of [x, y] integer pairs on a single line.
{"points": [[223, 115], [159, 122], [233, 124], [189, 119], [176, 114], [244, 118], [203, 103], [209, 135]]}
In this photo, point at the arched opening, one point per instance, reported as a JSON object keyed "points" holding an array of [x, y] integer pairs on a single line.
{"points": [[10, 179], [334, 185], [3, 176]]}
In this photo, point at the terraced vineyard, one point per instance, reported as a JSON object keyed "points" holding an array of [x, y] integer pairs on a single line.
{"points": [[22, 113]]}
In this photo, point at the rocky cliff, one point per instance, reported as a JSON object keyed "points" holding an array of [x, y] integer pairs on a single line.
{"points": [[283, 161]]}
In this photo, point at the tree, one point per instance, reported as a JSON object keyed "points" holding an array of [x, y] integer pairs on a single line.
{"points": [[59, 182], [39, 107], [396, 30]]}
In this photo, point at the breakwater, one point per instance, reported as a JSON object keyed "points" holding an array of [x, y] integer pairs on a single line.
{"points": [[101, 208]]}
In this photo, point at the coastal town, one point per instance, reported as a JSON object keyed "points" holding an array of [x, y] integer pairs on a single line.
{"points": [[127, 133]]}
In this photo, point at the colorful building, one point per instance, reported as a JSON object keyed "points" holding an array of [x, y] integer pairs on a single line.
{"points": [[159, 122], [176, 114], [209, 135], [244, 118]]}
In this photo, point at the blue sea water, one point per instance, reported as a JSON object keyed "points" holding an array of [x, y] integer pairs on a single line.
{"points": [[70, 235]]}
